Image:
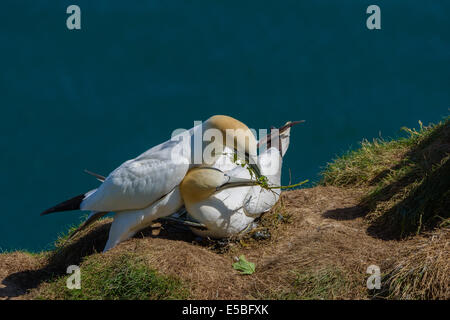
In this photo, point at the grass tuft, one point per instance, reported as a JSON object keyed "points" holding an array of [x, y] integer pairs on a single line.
{"points": [[408, 179], [125, 276], [323, 284], [423, 272]]}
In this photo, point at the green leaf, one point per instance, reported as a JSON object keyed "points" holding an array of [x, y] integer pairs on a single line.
{"points": [[244, 266]]}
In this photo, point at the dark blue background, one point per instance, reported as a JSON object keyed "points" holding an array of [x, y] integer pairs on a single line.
{"points": [[136, 70]]}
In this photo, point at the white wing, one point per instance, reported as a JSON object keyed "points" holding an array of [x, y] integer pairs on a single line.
{"points": [[139, 182]]}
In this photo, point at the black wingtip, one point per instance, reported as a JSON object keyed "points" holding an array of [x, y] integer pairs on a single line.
{"points": [[68, 205]]}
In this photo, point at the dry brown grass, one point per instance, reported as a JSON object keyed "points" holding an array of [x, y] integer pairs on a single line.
{"points": [[17, 271], [423, 273], [309, 241], [319, 250]]}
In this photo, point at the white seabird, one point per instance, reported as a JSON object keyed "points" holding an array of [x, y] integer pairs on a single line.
{"points": [[228, 211], [146, 187]]}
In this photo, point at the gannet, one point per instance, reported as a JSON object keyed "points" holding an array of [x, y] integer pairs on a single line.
{"points": [[146, 188], [228, 212]]}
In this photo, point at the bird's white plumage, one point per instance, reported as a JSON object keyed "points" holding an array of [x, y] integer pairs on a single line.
{"points": [[127, 223], [139, 182], [229, 212], [147, 187]]}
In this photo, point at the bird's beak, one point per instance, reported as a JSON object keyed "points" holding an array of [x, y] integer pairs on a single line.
{"points": [[234, 182]]}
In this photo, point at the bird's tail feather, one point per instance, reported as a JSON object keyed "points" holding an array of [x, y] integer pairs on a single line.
{"points": [[68, 205]]}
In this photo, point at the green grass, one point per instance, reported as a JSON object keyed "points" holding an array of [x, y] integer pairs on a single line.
{"points": [[63, 237], [24, 251], [323, 284], [361, 166], [124, 276], [408, 179]]}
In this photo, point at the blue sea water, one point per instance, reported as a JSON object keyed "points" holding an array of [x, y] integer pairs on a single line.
{"points": [[95, 97]]}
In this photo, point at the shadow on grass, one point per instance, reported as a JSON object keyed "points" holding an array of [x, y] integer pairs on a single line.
{"points": [[418, 188], [56, 262], [424, 208], [343, 214], [91, 242]]}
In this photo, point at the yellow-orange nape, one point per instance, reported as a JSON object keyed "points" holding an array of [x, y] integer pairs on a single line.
{"points": [[237, 136]]}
